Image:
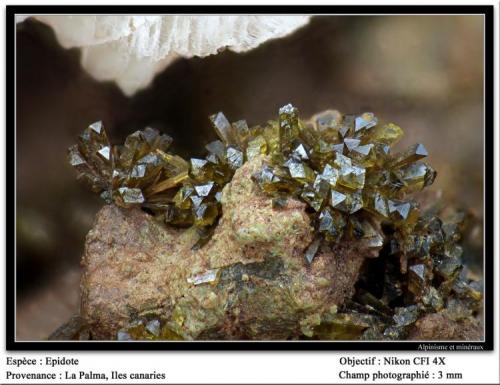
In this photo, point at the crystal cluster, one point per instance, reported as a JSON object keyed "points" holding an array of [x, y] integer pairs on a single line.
{"points": [[356, 187], [143, 173], [137, 173], [419, 271], [343, 168], [146, 329]]}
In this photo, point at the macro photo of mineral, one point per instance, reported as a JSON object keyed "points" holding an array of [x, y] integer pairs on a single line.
{"points": [[266, 236], [250, 178]]}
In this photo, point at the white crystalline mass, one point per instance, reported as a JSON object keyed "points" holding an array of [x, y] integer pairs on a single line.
{"points": [[132, 49]]}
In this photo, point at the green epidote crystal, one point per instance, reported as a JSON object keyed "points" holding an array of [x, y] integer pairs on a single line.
{"points": [[147, 330], [222, 127], [420, 274], [234, 158], [182, 197], [331, 224], [205, 214], [335, 161], [288, 126], [256, 147], [343, 326], [337, 198], [347, 126], [312, 250], [343, 168], [417, 279], [143, 173], [388, 134], [412, 154]]}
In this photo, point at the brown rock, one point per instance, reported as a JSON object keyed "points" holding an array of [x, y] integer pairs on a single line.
{"points": [[438, 326], [135, 266]]}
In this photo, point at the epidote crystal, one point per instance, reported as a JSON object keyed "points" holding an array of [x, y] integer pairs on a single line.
{"points": [[342, 167], [340, 161]]}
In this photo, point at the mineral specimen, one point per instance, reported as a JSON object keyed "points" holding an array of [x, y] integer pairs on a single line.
{"points": [[352, 189], [132, 49], [249, 281]]}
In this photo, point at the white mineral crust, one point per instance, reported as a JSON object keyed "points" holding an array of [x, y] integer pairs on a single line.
{"points": [[131, 49]]}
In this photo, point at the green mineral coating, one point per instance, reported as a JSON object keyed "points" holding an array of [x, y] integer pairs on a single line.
{"points": [[341, 166], [256, 147]]}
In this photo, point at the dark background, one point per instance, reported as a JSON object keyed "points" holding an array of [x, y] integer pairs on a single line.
{"points": [[424, 73]]}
